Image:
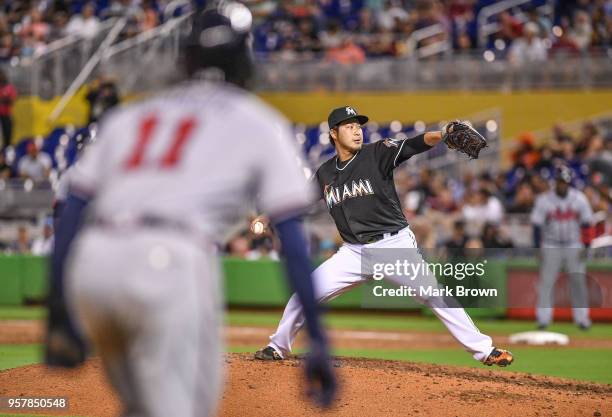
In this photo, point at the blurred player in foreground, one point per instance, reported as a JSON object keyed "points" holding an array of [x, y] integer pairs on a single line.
{"points": [[359, 190], [561, 221], [141, 273]]}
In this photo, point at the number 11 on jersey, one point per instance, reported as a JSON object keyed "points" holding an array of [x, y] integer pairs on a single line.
{"points": [[171, 156]]}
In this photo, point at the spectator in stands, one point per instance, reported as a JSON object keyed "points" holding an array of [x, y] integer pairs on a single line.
{"points": [[528, 49], [564, 43], [8, 49], [582, 30], [35, 165], [308, 37], [455, 246], [348, 53], [31, 47], [332, 36], [474, 248], [602, 23], [510, 27], [392, 15], [524, 199], [263, 248], [492, 238], [22, 244], [238, 247], [102, 96], [35, 26], [125, 8], [149, 17], [8, 95], [43, 245], [86, 24], [482, 207], [59, 28], [543, 23]]}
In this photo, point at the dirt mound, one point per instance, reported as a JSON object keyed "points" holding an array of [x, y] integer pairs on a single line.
{"points": [[369, 388]]}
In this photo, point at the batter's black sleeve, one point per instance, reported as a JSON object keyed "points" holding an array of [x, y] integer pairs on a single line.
{"points": [[392, 152]]}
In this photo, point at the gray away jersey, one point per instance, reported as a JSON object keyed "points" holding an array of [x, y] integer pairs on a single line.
{"points": [[561, 218], [203, 154]]}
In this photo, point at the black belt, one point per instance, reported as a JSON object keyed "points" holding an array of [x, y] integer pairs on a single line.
{"points": [[381, 236]]}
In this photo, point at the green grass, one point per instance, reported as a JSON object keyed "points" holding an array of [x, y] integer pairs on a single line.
{"points": [[581, 364], [399, 322], [12, 356], [22, 313], [364, 321]]}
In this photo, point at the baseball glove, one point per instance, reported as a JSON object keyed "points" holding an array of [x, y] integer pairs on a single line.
{"points": [[462, 137]]}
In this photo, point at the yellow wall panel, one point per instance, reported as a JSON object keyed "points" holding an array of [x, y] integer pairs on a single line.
{"points": [[521, 111]]}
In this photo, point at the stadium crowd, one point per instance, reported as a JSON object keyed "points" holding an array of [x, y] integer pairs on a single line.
{"points": [[28, 27], [351, 31], [444, 211], [336, 30]]}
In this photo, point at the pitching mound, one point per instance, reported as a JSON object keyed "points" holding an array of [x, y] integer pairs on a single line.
{"points": [[369, 388]]}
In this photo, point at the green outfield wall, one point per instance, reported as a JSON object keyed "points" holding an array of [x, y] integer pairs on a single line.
{"points": [[252, 284]]}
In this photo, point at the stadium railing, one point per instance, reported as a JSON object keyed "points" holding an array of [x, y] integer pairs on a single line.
{"points": [[467, 71], [49, 74], [486, 27], [23, 199]]}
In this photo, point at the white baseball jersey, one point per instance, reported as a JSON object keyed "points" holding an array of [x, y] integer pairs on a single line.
{"points": [[200, 153], [560, 218]]}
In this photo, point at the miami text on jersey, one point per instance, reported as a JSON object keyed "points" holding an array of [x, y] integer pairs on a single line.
{"points": [[336, 195]]}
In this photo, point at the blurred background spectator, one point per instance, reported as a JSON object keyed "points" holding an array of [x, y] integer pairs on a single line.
{"points": [[22, 242], [101, 97], [35, 165], [8, 95], [314, 28], [84, 24], [43, 244]]}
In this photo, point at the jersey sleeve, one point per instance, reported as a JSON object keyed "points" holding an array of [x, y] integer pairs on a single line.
{"points": [[283, 186], [392, 152], [538, 214]]}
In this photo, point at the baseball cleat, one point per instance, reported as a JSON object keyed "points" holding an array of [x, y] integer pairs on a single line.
{"points": [[268, 354], [499, 357]]}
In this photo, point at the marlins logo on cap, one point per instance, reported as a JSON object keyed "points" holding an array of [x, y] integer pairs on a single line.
{"points": [[343, 113]]}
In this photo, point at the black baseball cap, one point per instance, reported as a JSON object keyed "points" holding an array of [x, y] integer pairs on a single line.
{"points": [[341, 114]]}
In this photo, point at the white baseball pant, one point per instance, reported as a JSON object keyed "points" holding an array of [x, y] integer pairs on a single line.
{"points": [[150, 302], [343, 271]]}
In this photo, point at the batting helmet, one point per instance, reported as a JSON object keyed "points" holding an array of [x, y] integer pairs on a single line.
{"points": [[564, 173], [219, 38]]}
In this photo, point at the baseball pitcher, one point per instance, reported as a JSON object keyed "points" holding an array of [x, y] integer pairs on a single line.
{"points": [[164, 184], [561, 221], [357, 186]]}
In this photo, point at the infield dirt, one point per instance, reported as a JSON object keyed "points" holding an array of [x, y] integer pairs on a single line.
{"points": [[368, 388]]}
